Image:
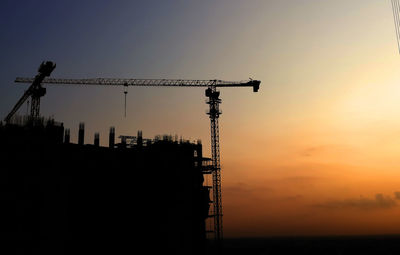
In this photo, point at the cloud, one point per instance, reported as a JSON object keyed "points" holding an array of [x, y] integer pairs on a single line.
{"points": [[311, 151], [323, 149], [301, 179], [380, 202], [293, 198], [300, 182], [241, 187], [397, 194]]}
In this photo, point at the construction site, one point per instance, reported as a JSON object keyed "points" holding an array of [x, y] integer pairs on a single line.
{"points": [[63, 196]]}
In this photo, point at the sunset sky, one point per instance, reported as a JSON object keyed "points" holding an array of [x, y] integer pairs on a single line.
{"points": [[315, 152]]}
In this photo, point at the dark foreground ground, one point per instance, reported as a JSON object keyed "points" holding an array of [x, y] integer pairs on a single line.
{"points": [[365, 245]]}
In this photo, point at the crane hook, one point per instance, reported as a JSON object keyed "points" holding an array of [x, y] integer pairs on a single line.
{"points": [[125, 92]]}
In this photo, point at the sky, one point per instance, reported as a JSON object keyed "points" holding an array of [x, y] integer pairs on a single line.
{"points": [[314, 152]]}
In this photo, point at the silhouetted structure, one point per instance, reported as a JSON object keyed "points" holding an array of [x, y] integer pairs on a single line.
{"points": [[213, 100], [81, 134], [67, 136], [96, 139], [111, 140], [64, 198], [35, 91]]}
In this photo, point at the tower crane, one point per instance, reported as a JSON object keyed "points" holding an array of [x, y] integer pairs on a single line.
{"points": [[36, 91]]}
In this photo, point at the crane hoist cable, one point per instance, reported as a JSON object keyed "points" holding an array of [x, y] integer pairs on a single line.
{"points": [[125, 92]]}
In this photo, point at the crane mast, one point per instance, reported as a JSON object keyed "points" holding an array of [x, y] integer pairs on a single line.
{"points": [[36, 91], [214, 113]]}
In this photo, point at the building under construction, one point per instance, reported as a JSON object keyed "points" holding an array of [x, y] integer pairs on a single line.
{"points": [[135, 195], [143, 160]]}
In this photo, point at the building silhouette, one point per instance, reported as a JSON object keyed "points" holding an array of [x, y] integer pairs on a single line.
{"points": [[139, 195]]}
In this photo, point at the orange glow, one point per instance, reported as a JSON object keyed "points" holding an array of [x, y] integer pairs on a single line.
{"points": [[315, 152]]}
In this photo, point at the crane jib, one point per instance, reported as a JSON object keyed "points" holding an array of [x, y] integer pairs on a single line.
{"points": [[145, 82]]}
